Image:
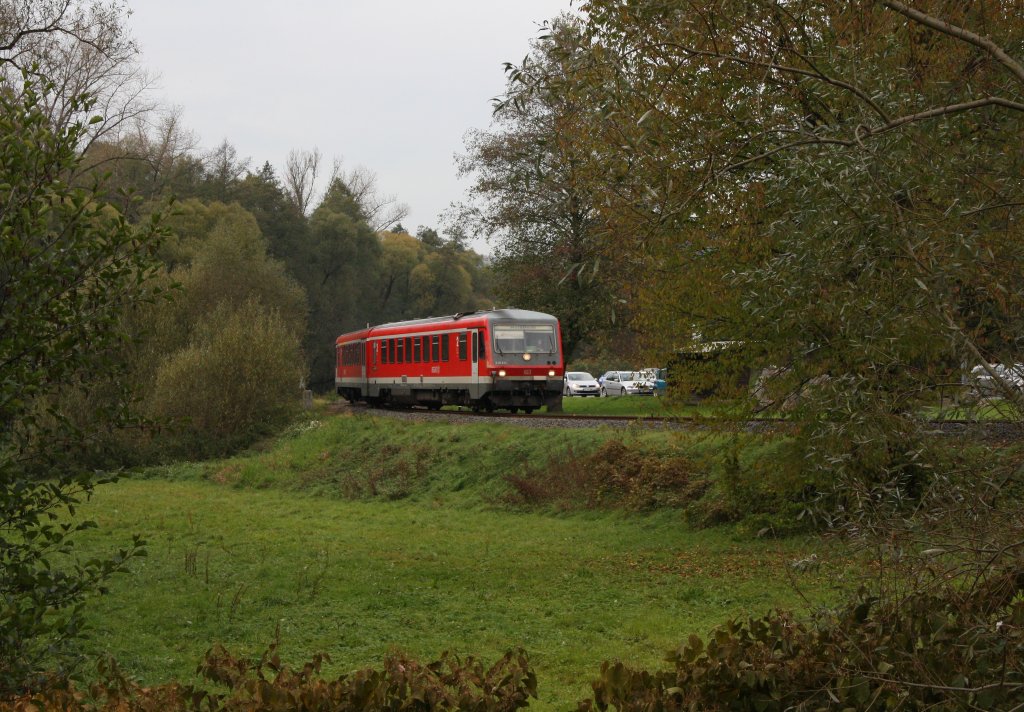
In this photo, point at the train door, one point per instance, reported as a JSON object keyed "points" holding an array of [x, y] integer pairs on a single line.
{"points": [[474, 371], [362, 368], [481, 383]]}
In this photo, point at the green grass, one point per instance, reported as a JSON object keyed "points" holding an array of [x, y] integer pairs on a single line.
{"points": [[984, 410], [639, 406], [357, 533], [371, 457], [353, 579]]}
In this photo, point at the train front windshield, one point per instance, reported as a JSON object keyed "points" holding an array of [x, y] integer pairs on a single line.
{"points": [[525, 339]]}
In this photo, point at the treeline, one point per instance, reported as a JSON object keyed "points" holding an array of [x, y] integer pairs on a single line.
{"points": [[260, 275], [333, 246]]}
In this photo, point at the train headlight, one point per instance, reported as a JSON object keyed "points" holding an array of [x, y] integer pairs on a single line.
{"points": [[501, 373], [551, 373], [527, 357]]}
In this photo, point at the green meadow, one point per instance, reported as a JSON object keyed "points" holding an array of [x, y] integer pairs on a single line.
{"points": [[356, 535]]}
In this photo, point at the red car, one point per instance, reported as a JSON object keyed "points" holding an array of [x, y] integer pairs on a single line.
{"points": [[502, 358]]}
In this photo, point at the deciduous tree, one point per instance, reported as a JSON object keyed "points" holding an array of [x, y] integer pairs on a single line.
{"points": [[75, 48], [531, 196], [835, 186], [69, 267]]}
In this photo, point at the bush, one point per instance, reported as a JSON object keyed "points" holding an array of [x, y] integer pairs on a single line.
{"points": [[756, 488], [614, 476], [240, 376], [945, 649], [268, 685]]}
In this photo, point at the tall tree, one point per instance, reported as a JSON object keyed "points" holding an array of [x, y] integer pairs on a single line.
{"points": [[223, 170], [69, 267], [530, 195], [280, 221], [340, 275], [301, 171], [400, 253], [836, 186]]}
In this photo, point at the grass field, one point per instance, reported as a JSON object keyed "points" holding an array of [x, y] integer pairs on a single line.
{"points": [[354, 579], [290, 535]]}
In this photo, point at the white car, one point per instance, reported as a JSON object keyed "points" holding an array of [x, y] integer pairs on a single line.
{"points": [[580, 383], [985, 384], [626, 383]]}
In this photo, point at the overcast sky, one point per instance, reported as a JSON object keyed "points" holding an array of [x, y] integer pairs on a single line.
{"points": [[388, 84]]}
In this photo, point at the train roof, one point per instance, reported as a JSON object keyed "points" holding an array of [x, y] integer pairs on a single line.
{"points": [[488, 315]]}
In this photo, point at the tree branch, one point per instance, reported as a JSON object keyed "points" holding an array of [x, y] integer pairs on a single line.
{"points": [[960, 33], [864, 132], [941, 111], [786, 69]]}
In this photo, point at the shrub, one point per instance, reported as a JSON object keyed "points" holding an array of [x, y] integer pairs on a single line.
{"points": [[240, 376], [933, 649], [613, 476], [268, 685]]}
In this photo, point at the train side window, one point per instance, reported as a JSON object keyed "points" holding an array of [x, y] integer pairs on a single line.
{"points": [[408, 349], [417, 350], [482, 345], [435, 348], [401, 350], [460, 345], [475, 354], [445, 346], [385, 352], [376, 350], [425, 341]]}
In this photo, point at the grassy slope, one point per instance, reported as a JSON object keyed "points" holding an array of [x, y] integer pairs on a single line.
{"points": [[241, 546]]}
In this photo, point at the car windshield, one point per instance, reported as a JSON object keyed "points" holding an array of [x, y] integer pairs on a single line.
{"points": [[631, 376], [579, 377], [530, 338]]}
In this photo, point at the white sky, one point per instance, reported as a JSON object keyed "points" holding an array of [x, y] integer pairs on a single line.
{"points": [[389, 84]]}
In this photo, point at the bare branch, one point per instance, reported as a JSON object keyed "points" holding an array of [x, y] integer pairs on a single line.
{"points": [[381, 210], [79, 48], [301, 169]]}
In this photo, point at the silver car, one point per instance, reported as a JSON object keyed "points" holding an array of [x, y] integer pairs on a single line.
{"points": [[626, 383], [580, 383]]}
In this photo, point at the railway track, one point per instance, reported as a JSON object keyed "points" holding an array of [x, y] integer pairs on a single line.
{"points": [[998, 430]]}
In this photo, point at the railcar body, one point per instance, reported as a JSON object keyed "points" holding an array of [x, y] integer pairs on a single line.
{"points": [[499, 359]]}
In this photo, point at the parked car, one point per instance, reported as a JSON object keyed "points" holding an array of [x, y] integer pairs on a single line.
{"points": [[985, 385], [625, 383], [658, 378], [580, 383]]}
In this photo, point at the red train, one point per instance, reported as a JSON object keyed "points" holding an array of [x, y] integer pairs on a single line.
{"points": [[503, 358]]}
